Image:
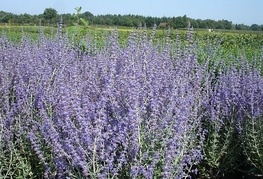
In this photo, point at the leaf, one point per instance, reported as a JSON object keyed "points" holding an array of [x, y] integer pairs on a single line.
{"points": [[72, 29], [85, 23], [79, 9]]}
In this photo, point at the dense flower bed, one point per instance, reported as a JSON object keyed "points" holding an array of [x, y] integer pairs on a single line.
{"points": [[143, 110]]}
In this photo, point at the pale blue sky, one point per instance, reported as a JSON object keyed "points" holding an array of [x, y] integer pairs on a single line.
{"points": [[238, 11]]}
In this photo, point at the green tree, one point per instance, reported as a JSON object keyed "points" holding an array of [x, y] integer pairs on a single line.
{"points": [[149, 21], [210, 23], [194, 23], [220, 25], [255, 27], [227, 24], [88, 16], [242, 27], [50, 14], [26, 18], [180, 22], [5, 17]]}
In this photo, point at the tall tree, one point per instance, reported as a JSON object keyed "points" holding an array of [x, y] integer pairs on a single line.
{"points": [[50, 14], [255, 27]]}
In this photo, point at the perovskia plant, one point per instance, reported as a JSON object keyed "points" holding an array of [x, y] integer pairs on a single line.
{"points": [[140, 110]]}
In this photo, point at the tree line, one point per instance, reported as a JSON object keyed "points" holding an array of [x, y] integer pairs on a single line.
{"points": [[51, 17]]}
